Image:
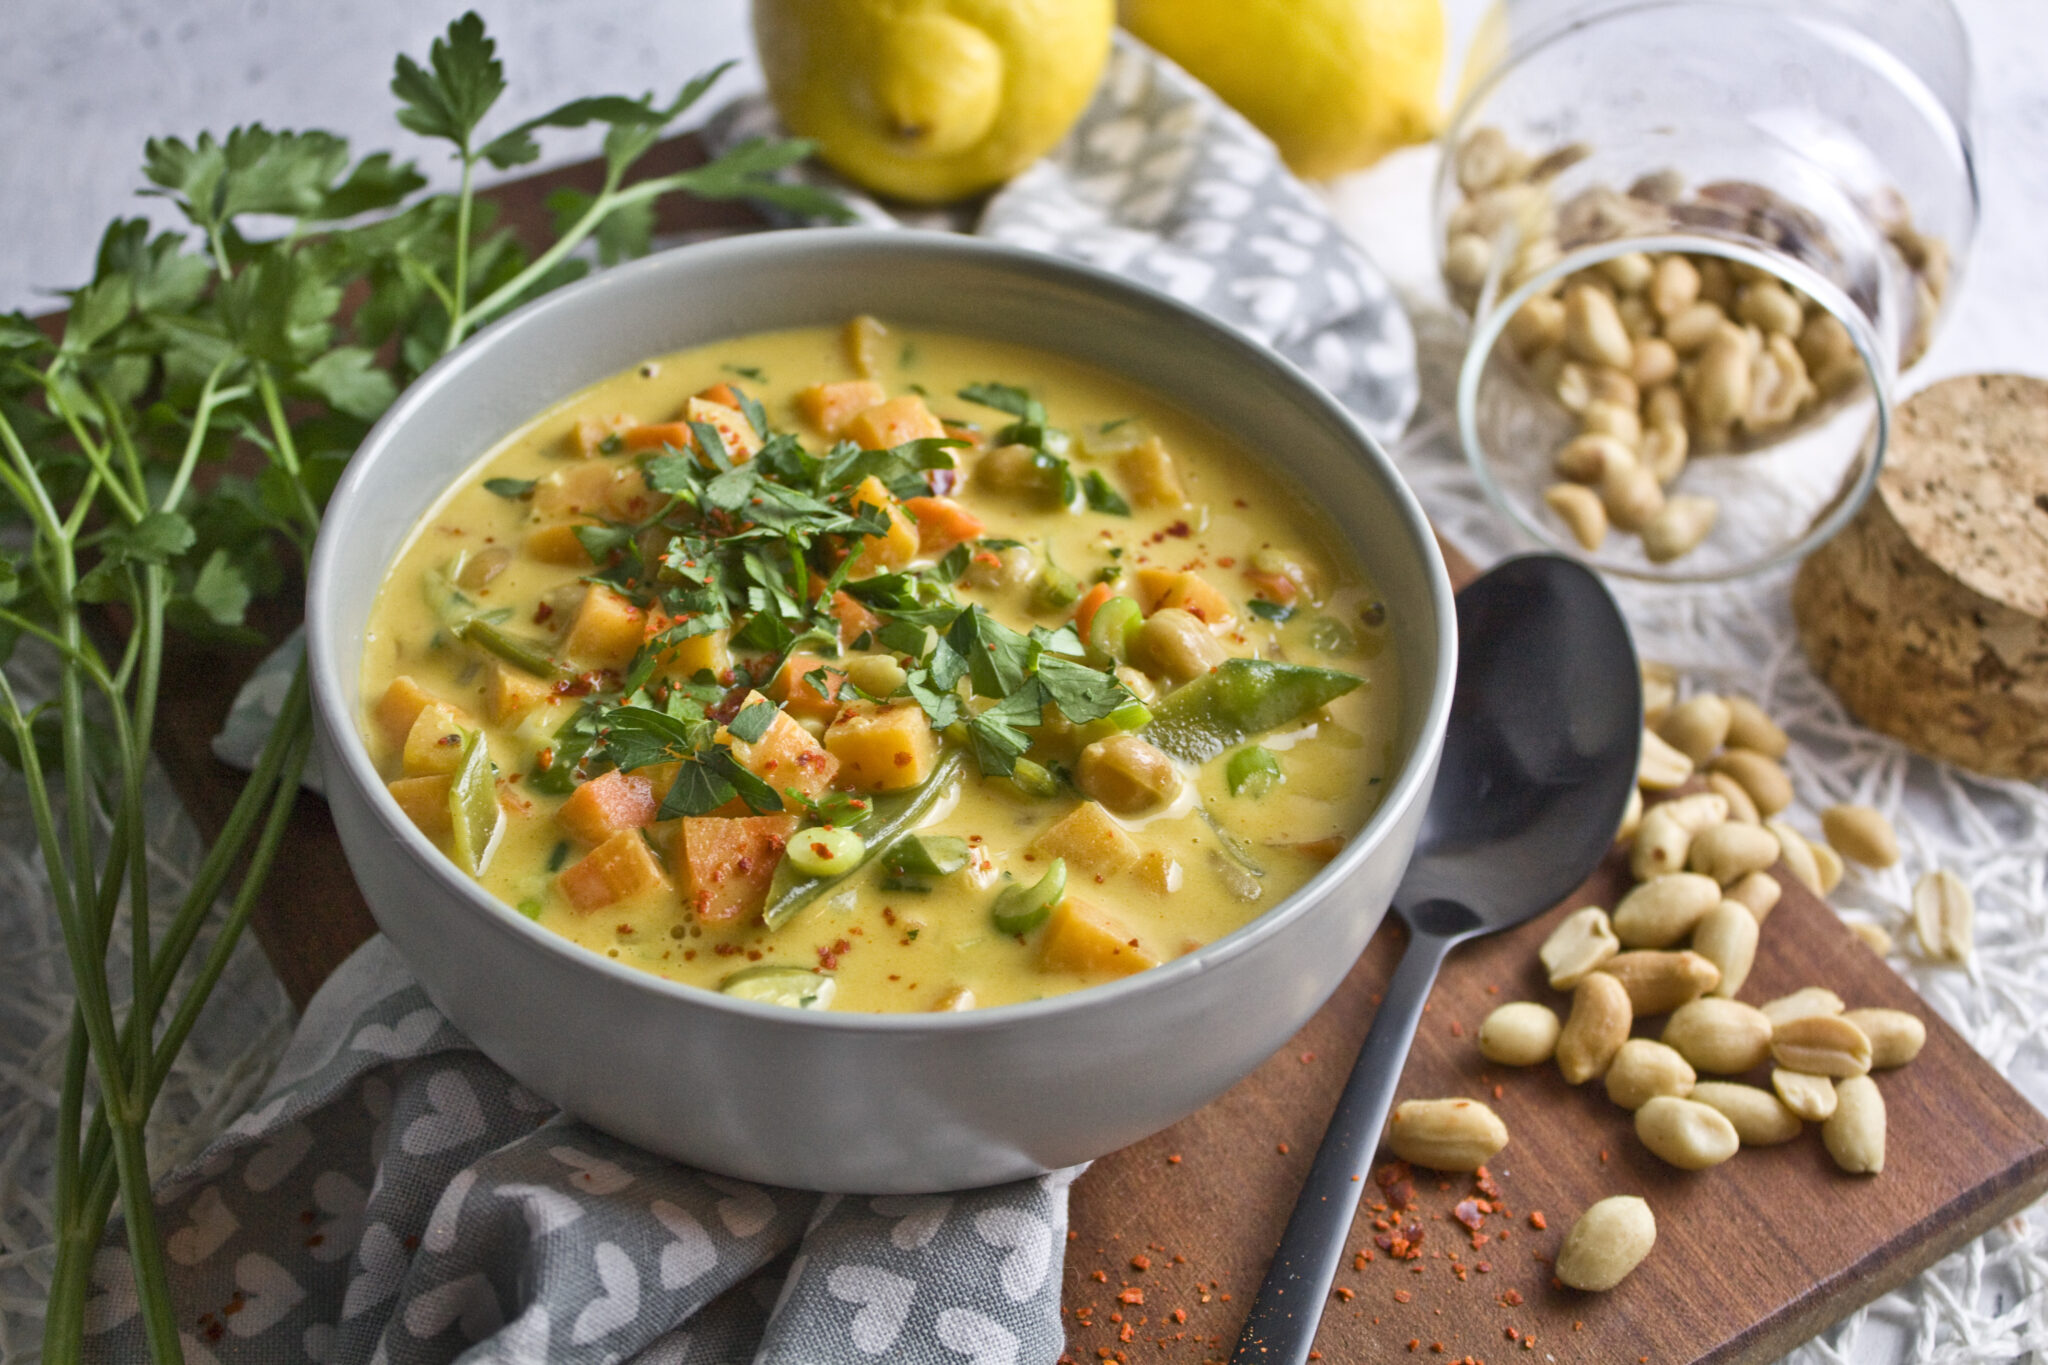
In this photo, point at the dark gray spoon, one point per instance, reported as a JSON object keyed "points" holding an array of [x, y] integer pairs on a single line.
{"points": [[1538, 762]]}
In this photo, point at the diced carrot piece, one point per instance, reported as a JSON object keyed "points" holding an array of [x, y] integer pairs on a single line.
{"points": [[892, 549], [606, 630], [1192, 593], [741, 440], [399, 707], [589, 490], [798, 697], [883, 746], [829, 407], [941, 524], [1274, 587], [557, 544], [893, 423], [1081, 938], [655, 435], [1149, 476], [854, 619], [606, 804], [785, 755], [512, 692], [434, 743], [1088, 838], [726, 866], [620, 868], [425, 802], [721, 392], [1091, 602], [592, 433]]}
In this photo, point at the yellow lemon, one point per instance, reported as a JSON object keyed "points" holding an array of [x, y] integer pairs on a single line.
{"points": [[931, 100], [1336, 84]]}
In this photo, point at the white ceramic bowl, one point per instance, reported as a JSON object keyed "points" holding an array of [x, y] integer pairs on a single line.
{"points": [[862, 1102]]}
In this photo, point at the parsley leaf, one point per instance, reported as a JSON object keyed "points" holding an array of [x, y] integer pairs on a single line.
{"points": [[753, 721], [467, 78], [1102, 495], [1270, 611], [1082, 694], [997, 656], [1006, 398], [997, 737], [513, 489]]}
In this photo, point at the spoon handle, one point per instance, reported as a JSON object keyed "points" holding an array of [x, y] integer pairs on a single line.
{"points": [[1284, 1316]]}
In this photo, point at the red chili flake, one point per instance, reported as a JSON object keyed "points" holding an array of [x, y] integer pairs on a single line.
{"points": [[1282, 1149], [1141, 1262], [1307, 1057], [1414, 1343], [1469, 1214], [1179, 530], [1402, 1296], [1131, 1296], [1180, 1315], [1457, 1029], [1512, 1298], [1099, 1276], [1345, 1294], [1483, 1267], [1537, 1221], [1174, 1159]]}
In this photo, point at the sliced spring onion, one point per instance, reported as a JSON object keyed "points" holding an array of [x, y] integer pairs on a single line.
{"points": [[1019, 909], [790, 986], [1251, 771], [827, 851]]}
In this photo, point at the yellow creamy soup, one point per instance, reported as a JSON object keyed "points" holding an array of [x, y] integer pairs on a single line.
{"points": [[880, 670]]}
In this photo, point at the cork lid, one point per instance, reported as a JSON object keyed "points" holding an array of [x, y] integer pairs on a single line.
{"points": [[1967, 480]]}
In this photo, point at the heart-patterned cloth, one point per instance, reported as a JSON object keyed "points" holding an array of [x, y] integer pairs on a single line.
{"points": [[396, 1199]]}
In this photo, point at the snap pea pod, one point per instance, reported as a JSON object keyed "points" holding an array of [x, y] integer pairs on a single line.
{"points": [[526, 654], [1240, 698], [889, 818], [473, 805]]}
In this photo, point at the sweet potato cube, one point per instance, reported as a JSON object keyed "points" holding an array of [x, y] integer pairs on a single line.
{"points": [[854, 619], [882, 746], [893, 423], [425, 802], [829, 407], [941, 524], [590, 490], [607, 804], [620, 868], [1159, 589], [434, 743], [691, 655], [512, 692], [656, 436], [894, 548], [727, 865], [606, 630], [558, 544], [741, 440], [797, 697], [593, 434], [785, 755], [1081, 938], [1149, 477], [1089, 840], [399, 707]]}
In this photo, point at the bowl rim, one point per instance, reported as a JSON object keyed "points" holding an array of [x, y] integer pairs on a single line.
{"points": [[348, 759]]}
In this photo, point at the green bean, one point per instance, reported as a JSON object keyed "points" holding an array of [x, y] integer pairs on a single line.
{"points": [[888, 820], [473, 805], [526, 654]]}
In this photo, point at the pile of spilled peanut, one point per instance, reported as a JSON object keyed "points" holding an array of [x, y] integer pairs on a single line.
{"points": [[1659, 356], [1681, 944]]}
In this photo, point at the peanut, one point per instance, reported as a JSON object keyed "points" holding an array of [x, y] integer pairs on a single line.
{"points": [[1896, 1037], [1723, 1037], [1608, 1241], [1596, 1029], [1612, 419], [1664, 449], [1664, 909], [1944, 916], [1827, 865], [1674, 287], [1872, 936], [1698, 812], [1659, 982], [1485, 159], [1854, 1133], [1861, 834], [1797, 855], [1536, 324], [1696, 727], [1633, 498], [1678, 526], [1812, 1098], [1731, 851], [1631, 816], [1446, 1135], [1664, 406], [1581, 510], [1654, 363], [1802, 1004], [1758, 893], [1467, 259], [1643, 1070], [1587, 458], [1693, 327], [1660, 689], [1523, 1033], [1760, 1117], [1821, 1045], [1727, 937], [1593, 330], [1761, 777], [1740, 807], [1581, 942], [1770, 306], [1628, 272], [1687, 1134], [1749, 728], [1662, 844], [1661, 767]]}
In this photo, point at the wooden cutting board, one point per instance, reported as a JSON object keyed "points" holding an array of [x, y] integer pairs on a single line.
{"points": [[1171, 1236]]}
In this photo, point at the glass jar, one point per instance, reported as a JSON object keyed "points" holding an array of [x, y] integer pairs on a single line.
{"points": [[1699, 239]]}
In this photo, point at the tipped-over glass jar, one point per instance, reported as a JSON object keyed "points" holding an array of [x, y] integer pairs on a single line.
{"points": [[1699, 240]]}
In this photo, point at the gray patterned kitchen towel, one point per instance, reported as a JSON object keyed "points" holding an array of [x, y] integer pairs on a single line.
{"points": [[396, 1199]]}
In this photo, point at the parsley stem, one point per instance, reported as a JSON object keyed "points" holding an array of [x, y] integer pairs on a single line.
{"points": [[210, 396], [287, 452], [463, 204]]}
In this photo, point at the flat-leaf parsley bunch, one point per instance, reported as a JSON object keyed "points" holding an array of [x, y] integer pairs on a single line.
{"points": [[312, 286]]}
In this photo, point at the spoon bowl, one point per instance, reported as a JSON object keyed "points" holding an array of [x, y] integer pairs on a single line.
{"points": [[1545, 735]]}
